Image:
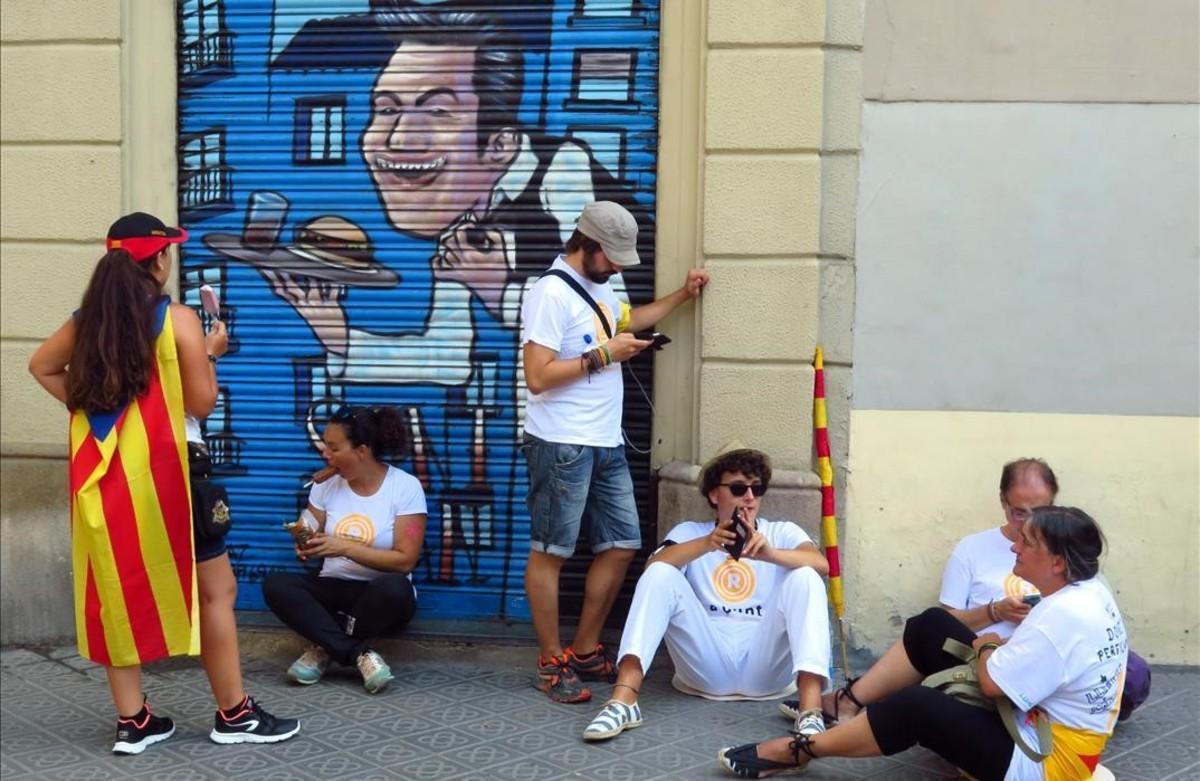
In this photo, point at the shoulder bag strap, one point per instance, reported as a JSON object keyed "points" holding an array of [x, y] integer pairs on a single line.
{"points": [[578, 288]]}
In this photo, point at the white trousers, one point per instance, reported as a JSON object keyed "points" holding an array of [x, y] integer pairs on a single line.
{"points": [[716, 658]]}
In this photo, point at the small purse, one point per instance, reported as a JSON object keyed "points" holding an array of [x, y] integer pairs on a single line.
{"points": [[210, 501]]}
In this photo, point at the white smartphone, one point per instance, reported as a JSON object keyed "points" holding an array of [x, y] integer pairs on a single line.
{"points": [[208, 300]]}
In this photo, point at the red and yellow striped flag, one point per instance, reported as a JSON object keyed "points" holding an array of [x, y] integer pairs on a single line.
{"points": [[131, 523], [829, 536]]}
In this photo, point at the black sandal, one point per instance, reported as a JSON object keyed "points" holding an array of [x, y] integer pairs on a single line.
{"points": [[744, 761], [832, 719]]}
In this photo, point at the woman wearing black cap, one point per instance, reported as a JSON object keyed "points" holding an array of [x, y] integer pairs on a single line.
{"points": [[130, 365]]}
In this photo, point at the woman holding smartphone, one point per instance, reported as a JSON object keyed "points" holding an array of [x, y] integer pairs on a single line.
{"points": [[130, 365], [367, 522]]}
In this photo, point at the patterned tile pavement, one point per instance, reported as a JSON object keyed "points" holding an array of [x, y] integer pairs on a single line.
{"points": [[459, 711]]}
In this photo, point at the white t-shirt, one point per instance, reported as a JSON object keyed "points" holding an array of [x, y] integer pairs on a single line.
{"points": [[980, 571], [736, 592], [1067, 658], [588, 410], [366, 519]]}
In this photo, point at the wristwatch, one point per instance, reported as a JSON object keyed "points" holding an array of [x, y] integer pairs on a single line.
{"points": [[212, 359]]}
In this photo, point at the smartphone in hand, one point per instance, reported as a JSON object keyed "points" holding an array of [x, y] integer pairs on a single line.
{"points": [[1031, 599], [657, 340], [209, 301], [300, 531], [739, 536]]}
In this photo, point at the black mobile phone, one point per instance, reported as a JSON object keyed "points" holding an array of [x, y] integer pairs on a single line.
{"points": [[1031, 599], [656, 339], [739, 539]]}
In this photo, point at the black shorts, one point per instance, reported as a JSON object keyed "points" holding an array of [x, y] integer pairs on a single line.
{"points": [[208, 549]]}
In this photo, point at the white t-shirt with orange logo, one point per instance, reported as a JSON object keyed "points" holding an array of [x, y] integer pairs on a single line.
{"points": [[980, 571], [370, 520], [736, 591], [588, 410]]}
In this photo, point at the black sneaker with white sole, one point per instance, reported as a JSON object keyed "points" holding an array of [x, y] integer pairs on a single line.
{"points": [[251, 724], [145, 729]]}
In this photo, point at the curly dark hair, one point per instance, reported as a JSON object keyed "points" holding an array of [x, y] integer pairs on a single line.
{"points": [[112, 357], [381, 429], [752, 463]]}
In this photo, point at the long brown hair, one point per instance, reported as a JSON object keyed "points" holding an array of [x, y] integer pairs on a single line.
{"points": [[112, 358]]}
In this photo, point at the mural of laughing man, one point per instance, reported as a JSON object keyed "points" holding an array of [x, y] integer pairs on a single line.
{"points": [[449, 163]]}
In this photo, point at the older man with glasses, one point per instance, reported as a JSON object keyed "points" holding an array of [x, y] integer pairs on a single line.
{"points": [[740, 601]]}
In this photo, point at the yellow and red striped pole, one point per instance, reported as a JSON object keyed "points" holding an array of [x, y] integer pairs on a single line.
{"points": [[829, 536]]}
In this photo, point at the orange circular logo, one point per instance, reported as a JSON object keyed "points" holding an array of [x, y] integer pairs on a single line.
{"points": [[734, 581], [1018, 587], [355, 527]]}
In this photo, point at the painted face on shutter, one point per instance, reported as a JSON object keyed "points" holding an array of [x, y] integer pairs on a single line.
{"points": [[422, 145]]}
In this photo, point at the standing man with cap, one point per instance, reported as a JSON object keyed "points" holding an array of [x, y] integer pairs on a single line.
{"points": [[574, 333]]}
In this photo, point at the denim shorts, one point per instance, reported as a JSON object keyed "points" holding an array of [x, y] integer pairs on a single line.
{"points": [[574, 487]]}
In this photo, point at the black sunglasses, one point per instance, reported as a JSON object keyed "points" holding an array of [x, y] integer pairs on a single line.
{"points": [[739, 488]]}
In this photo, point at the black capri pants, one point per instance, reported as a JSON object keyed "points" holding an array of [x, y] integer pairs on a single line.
{"points": [[310, 604], [972, 738]]}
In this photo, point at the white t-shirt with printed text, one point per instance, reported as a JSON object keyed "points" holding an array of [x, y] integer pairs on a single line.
{"points": [[980, 571], [370, 520], [736, 592], [586, 411], [1067, 658]]}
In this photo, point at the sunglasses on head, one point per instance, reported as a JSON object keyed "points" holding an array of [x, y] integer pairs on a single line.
{"points": [[738, 488]]}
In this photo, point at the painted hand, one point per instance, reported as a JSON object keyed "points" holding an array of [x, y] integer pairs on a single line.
{"points": [[317, 301], [478, 258]]}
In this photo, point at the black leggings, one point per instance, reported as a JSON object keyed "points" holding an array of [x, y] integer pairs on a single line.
{"points": [[972, 738], [310, 604]]}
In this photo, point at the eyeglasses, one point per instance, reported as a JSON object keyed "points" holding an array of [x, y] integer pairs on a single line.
{"points": [[1017, 513], [738, 488]]}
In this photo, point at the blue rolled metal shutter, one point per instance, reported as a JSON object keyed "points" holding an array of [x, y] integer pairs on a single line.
{"points": [[275, 105]]}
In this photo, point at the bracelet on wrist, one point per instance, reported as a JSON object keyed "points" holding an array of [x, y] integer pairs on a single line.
{"points": [[212, 359], [991, 612], [989, 646]]}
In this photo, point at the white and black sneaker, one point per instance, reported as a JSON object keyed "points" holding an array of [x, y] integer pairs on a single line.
{"points": [[249, 723], [143, 729]]}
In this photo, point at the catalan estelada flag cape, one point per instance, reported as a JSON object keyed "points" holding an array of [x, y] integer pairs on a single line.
{"points": [[131, 522]]}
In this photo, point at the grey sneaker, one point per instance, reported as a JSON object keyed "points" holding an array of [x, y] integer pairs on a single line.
{"points": [[809, 723], [310, 667], [375, 672]]}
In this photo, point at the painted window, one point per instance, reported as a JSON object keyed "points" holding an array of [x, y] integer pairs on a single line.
{"points": [[204, 178], [319, 136], [605, 76], [204, 42], [604, 7]]}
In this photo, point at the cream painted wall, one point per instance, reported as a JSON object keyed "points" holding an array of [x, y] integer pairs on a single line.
{"points": [[923, 480]]}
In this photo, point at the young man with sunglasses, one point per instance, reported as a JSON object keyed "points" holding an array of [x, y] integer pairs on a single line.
{"points": [[743, 618]]}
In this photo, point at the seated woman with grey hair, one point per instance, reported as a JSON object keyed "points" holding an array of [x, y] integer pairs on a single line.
{"points": [[1062, 667]]}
